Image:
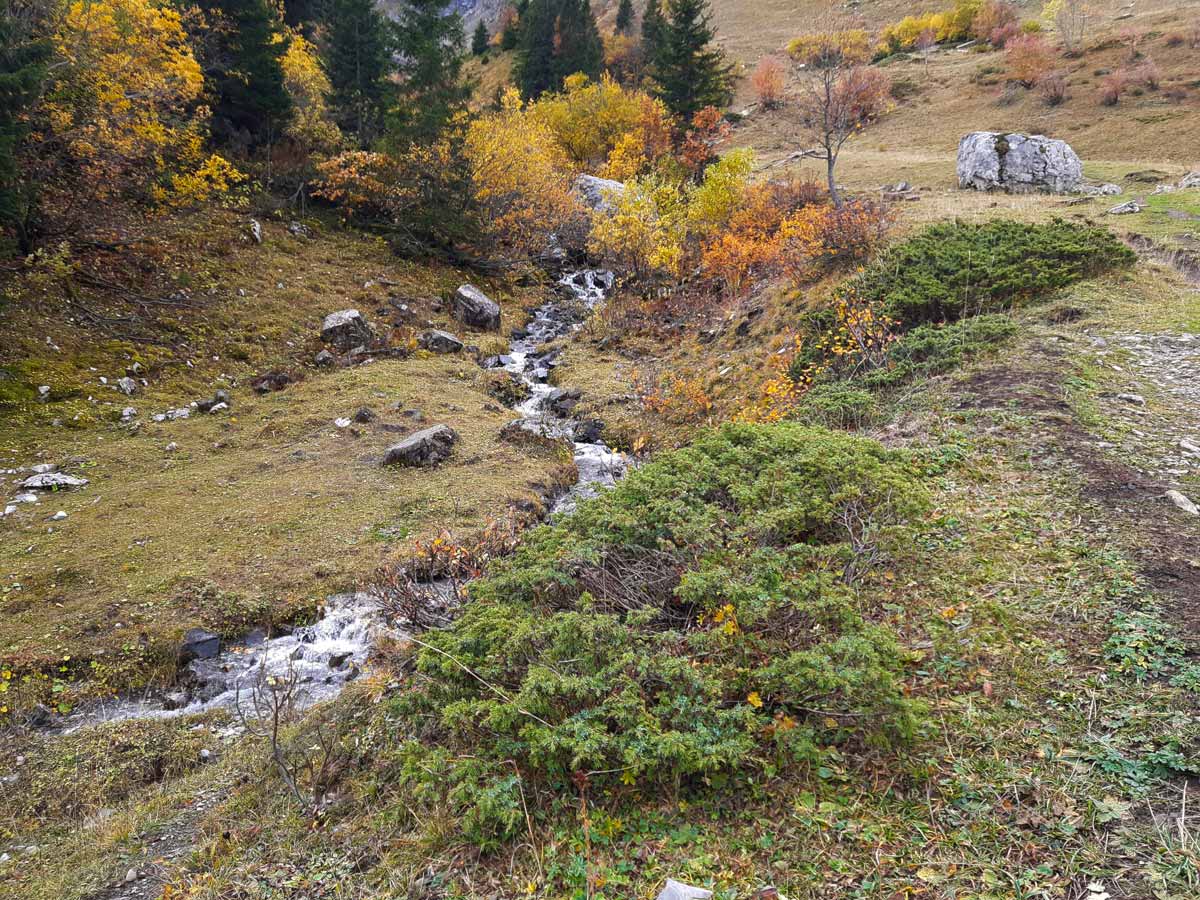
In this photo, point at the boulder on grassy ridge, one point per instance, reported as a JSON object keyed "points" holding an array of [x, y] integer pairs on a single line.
{"points": [[1017, 163], [475, 309], [345, 329], [425, 448]]}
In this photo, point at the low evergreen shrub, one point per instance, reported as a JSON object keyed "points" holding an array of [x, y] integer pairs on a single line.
{"points": [[700, 620], [954, 270]]}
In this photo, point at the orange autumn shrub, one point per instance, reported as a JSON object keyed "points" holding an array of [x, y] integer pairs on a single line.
{"points": [[768, 82], [819, 237], [1028, 58], [750, 244]]}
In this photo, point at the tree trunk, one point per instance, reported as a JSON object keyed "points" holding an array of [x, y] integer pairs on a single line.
{"points": [[830, 164]]}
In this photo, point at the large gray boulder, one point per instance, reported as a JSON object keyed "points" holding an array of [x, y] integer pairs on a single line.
{"points": [[473, 308], [425, 448], [598, 194], [345, 329], [1017, 163]]}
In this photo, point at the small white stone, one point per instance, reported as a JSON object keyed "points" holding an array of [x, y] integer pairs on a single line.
{"points": [[1135, 399], [1189, 447], [1183, 503], [58, 516], [9, 510], [172, 447], [342, 423]]}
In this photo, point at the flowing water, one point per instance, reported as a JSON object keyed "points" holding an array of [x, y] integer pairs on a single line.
{"points": [[325, 656]]}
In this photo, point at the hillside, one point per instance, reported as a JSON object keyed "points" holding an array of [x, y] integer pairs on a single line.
{"points": [[712, 529]]}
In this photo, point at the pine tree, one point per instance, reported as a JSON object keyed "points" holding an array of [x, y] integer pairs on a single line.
{"points": [[24, 56], [688, 72], [625, 17], [557, 38], [358, 55], [432, 89], [244, 72], [479, 42], [651, 29]]}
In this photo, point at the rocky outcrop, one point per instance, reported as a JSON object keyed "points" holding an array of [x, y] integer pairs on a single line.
{"points": [[597, 194], [436, 341], [475, 309], [1017, 163], [345, 329], [425, 448]]}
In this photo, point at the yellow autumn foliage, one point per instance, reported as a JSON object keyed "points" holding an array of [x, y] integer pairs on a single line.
{"points": [[521, 176], [123, 107]]}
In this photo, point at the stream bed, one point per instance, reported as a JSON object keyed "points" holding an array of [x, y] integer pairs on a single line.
{"points": [[326, 655]]}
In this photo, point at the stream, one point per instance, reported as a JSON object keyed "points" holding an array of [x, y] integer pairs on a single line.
{"points": [[326, 655]]}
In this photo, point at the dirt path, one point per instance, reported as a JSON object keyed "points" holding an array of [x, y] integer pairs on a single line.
{"points": [[1124, 485]]}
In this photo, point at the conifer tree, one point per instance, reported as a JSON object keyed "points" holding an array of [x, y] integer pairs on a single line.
{"points": [[432, 88], [358, 55], [244, 72], [24, 55], [479, 42], [557, 38], [625, 17], [689, 73], [651, 29]]}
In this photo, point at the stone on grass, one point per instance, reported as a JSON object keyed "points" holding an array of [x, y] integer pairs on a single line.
{"points": [[473, 308], [425, 448], [52, 481], [345, 329], [1190, 180], [1017, 163], [1183, 502], [436, 341], [1135, 399], [677, 890], [1126, 208], [324, 358], [127, 386]]}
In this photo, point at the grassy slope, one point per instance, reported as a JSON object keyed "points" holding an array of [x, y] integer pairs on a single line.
{"points": [[262, 511], [1022, 575]]}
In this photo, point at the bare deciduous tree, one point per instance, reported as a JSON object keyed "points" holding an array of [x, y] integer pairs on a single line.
{"points": [[839, 92]]}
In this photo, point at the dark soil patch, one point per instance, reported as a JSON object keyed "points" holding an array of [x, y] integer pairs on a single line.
{"points": [[1167, 552]]}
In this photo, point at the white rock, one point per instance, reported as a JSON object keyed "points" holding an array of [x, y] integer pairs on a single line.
{"points": [[1183, 503], [172, 447], [677, 890], [342, 423], [53, 480], [127, 386], [1017, 163], [1135, 399], [9, 510], [256, 231], [43, 468], [598, 194], [58, 516], [128, 413], [25, 498], [1132, 206]]}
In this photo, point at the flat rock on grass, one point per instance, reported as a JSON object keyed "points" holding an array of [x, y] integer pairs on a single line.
{"points": [[425, 448], [50, 481]]}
